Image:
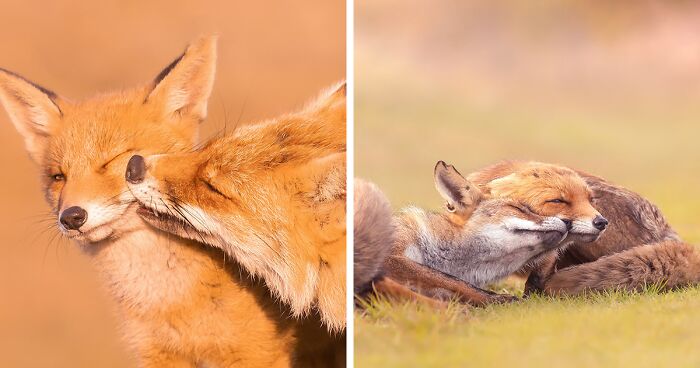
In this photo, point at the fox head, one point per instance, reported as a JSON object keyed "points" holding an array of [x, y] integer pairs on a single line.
{"points": [[83, 147], [503, 223], [552, 190], [258, 193], [242, 176]]}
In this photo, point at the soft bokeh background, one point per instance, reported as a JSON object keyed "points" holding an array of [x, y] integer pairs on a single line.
{"points": [[273, 55], [612, 88]]}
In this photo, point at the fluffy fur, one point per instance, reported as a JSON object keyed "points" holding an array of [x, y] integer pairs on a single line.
{"points": [[668, 265], [476, 241], [549, 190], [638, 247], [373, 233], [180, 303], [272, 196]]}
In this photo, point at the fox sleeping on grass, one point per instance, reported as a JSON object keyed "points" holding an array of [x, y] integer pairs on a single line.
{"points": [[452, 254], [180, 303], [271, 195], [638, 248]]}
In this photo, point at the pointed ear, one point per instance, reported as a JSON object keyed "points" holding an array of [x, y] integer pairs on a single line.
{"points": [[185, 85], [330, 104], [454, 188], [32, 109]]}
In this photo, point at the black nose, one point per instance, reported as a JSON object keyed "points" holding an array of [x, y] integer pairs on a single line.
{"points": [[73, 217], [600, 222], [135, 169], [569, 224]]}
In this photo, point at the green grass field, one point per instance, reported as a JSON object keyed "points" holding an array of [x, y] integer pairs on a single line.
{"points": [[404, 125]]}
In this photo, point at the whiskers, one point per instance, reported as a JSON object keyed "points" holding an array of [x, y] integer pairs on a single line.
{"points": [[45, 225]]}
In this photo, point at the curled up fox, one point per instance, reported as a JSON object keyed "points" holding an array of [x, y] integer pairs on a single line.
{"points": [[637, 248], [181, 303], [450, 254], [627, 245]]}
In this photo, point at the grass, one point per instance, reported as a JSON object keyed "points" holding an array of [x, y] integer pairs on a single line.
{"points": [[408, 116], [615, 329]]}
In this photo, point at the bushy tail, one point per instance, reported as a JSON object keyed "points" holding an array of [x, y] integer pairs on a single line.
{"points": [[374, 233], [669, 264]]}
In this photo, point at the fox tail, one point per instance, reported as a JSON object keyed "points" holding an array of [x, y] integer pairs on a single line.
{"points": [[374, 233], [669, 264]]}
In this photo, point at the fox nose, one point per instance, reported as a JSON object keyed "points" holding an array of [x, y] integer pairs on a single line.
{"points": [[569, 224], [600, 222], [73, 218], [136, 169]]}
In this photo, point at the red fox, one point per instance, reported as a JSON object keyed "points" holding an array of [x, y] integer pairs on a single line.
{"points": [[180, 303], [476, 241], [374, 236], [271, 195], [638, 248]]}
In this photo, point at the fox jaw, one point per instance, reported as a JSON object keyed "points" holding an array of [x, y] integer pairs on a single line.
{"points": [[254, 194], [551, 190], [482, 239], [83, 148]]}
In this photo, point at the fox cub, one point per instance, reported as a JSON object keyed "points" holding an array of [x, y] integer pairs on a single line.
{"points": [[180, 303], [271, 195]]}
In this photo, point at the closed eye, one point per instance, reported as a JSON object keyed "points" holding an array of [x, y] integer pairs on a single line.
{"points": [[521, 208], [558, 200], [213, 189], [104, 166]]}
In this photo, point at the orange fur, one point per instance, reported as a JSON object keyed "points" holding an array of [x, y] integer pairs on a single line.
{"points": [[535, 183], [272, 195], [180, 303]]}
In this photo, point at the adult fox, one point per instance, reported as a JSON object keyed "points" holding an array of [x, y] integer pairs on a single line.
{"points": [[638, 248], [449, 255], [271, 195], [181, 304]]}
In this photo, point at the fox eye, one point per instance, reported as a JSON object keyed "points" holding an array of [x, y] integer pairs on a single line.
{"points": [[558, 200], [522, 209], [213, 189], [58, 177], [104, 166]]}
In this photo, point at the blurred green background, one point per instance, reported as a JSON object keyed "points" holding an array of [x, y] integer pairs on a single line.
{"points": [[612, 88]]}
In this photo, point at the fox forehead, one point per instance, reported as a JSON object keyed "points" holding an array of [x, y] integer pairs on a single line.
{"points": [[93, 132], [538, 184]]}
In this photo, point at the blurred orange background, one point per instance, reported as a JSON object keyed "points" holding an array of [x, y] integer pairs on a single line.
{"points": [[273, 55]]}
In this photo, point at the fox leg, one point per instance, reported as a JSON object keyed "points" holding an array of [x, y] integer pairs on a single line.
{"points": [[388, 287], [438, 284], [540, 274]]}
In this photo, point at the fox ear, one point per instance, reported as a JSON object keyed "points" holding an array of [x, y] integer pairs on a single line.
{"points": [[454, 188], [32, 109], [330, 104], [185, 85]]}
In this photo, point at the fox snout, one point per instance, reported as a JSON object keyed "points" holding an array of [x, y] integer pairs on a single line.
{"points": [[597, 224], [73, 218], [600, 222]]}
